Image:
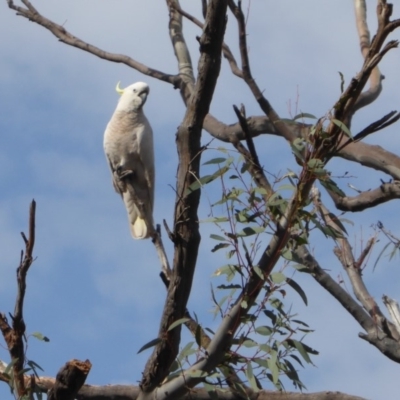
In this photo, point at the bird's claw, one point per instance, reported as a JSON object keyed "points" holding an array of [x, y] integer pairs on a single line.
{"points": [[123, 174]]}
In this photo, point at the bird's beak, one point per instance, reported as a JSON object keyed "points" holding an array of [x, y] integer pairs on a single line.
{"points": [[145, 91], [118, 89]]}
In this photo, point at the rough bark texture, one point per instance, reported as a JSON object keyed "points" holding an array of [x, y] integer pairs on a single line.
{"points": [[186, 230], [69, 380]]}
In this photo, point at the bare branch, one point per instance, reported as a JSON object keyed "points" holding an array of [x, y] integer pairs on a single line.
{"points": [[344, 253], [14, 336], [178, 41], [64, 36], [225, 48], [265, 105], [368, 199], [376, 78]]}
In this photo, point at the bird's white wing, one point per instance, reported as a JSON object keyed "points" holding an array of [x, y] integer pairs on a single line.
{"points": [[130, 154]]}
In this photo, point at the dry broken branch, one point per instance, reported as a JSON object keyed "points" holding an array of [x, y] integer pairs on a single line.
{"points": [[14, 335], [69, 380]]}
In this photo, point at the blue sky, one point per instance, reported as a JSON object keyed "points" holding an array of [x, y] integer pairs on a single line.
{"points": [[92, 290]]}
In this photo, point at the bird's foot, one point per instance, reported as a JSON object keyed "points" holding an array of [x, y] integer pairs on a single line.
{"points": [[123, 174]]}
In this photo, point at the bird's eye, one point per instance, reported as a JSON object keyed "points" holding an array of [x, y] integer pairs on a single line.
{"points": [[134, 90]]}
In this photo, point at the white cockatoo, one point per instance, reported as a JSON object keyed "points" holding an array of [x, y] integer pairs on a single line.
{"points": [[128, 144]]}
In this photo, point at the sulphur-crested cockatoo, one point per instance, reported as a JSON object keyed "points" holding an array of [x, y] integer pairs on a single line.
{"points": [[128, 144]]}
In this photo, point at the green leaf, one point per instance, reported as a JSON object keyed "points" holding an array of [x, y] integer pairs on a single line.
{"points": [[197, 184], [178, 322], [251, 230], [273, 367], [343, 127], [297, 359], [244, 168], [186, 351], [251, 378], [217, 237], [304, 115], [34, 365], [337, 221], [249, 343], [286, 121], [219, 246], [278, 277], [215, 219], [329, 184], [264, 330], [228, 270], [292, 374], [152, 343], [174, 366], [287, 186], [303, 349], [294, 285], [298, 145], [261, 362], [271, 315], [40, 336], [300, 322], [332, 232], [259, 272], [9, 366], [315, 163], [218, 160], [276, 200]]}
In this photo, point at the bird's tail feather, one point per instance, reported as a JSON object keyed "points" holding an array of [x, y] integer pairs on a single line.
{"points": [[139, 229]]}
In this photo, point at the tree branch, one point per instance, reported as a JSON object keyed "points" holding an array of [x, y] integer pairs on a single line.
{"points": [[181, 50], [368, 199], [64, 36], [69, 380], [14, 336], [376, 78], [264, 104], [186, 230], [130, 392], [380, 332]]}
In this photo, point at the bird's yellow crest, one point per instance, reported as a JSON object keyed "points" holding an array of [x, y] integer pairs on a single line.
{"points": [[118, 89]]}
